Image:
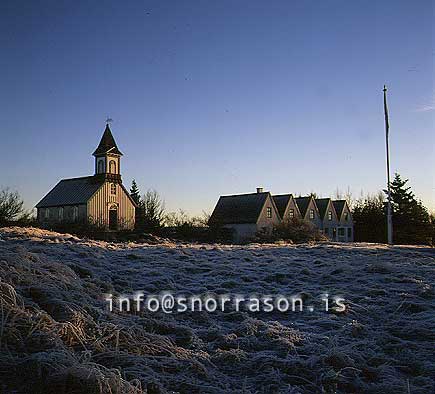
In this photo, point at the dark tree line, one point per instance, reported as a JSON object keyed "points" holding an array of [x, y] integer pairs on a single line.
{"points": [[412, 223]]}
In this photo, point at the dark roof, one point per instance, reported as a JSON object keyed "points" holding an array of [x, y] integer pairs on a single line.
{"points": [[107, 144], [71, 192], [240, 208], [339, 206], [281, 202], [302, 203], [322, 205]]}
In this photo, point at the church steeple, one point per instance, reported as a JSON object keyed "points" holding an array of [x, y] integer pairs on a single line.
{"points": [[108, 157], [107, 143]]}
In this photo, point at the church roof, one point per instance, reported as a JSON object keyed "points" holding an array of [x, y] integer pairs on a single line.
{"points": [[107, 143], [72, 191]]}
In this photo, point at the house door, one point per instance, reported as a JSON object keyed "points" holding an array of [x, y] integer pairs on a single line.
{"points": [[334, 234], [113, 219]]}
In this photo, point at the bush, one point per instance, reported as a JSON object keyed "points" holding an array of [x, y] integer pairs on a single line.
{"points": [[297, 230], [81, 229]]}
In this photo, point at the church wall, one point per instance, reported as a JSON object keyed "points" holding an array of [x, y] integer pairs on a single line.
{"points": [[103, 199], [63, 214]]}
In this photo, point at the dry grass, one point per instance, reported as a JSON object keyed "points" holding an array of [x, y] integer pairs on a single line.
{"points": [[56, 335]]}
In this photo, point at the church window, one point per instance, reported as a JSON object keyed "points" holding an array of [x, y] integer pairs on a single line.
{"points": [[112, 167], [75, 213], [113, 188], [100, 167]]}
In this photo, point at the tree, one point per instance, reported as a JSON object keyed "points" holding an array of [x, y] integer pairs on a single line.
{"points": [[411, 220], [11, 206], [370, 219], [134, 192], [432, 230], [347, 195], [181, 218], [151, 212]]}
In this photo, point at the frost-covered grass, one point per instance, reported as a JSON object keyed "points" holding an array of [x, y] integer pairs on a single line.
{"points": [[56, 335]]}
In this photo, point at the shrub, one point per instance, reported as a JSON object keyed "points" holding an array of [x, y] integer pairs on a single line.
{"points": [[297, 230]]}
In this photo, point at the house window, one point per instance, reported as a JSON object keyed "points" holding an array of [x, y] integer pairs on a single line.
{"points": [[346, 216], [341, 232], [291, 213], [75, 213], [269, 212], [60, 214], [349, 233], [113, 188], [311, 213], [112, 167], [330, 215], [326, 230], [47, 213]]}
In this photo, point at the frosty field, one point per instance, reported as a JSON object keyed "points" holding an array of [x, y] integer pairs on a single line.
{"points": [[57, 335]]}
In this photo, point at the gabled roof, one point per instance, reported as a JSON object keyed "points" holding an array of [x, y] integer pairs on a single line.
{"points": [[281, 202], [322, 205], [71, 192], [239, 209], [303, 203], [107, 144], [339, 206]]}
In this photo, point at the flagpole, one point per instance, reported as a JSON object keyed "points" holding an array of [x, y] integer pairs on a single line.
{"points": [[387, 131]]}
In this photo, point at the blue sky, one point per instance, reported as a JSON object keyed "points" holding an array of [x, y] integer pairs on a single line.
{"points": [[218, 97]]}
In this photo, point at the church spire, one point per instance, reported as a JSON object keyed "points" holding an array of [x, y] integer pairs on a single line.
{"points": [[107, 144], [108, 157]]}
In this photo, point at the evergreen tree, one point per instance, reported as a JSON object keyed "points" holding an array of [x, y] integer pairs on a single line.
{"points": [[411, 220], [134, 192], [369, 218]]}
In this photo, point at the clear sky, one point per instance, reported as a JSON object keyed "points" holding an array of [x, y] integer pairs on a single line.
{"points": [[218, 97]]}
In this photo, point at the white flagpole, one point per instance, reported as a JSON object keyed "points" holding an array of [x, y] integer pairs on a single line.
{"points": [[387, 131]]}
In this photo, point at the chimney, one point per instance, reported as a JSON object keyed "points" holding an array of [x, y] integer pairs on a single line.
{"points": [[259, 190]]}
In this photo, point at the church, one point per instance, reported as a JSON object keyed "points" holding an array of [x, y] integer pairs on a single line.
{"points": [[100, 199]]}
